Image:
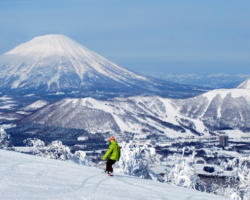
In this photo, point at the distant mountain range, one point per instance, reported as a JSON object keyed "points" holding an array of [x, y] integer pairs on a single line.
{"points": [[56, 63], [216, 110], [135, 115], [215, 81]]}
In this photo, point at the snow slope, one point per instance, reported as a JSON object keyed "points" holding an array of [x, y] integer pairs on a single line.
{"points": [[26, 177], [219, 109], [245, 84], [36, 105], [143, 115]]}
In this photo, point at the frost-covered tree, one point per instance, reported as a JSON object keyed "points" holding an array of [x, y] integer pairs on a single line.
{"points": [[243, 172], [182, 172], [36, 146], [82, 158], [240, 169], [133, 162], [34, 142], [4, 138], [56, 150]]}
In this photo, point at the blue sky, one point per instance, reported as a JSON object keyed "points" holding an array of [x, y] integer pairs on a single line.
{"points": [[149, 37]]}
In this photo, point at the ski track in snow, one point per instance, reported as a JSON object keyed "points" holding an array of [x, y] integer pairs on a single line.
{"points": [[146, 189], [26, 177]]}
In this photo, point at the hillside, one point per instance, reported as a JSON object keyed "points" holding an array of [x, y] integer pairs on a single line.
{"points": [[140, 115], [216, 110], [27, 177], [220, 109]]}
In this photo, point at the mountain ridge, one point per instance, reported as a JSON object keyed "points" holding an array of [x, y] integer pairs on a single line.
{"points": [[133, 115], [205, 114], [220, 108]]}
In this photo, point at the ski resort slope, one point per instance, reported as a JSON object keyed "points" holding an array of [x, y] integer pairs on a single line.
{"points": [[26, 177]]}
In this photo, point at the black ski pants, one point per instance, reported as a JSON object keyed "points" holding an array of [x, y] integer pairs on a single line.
{"points": [[109, 164]]}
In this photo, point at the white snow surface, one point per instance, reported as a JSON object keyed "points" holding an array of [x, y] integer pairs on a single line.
{"points": [[4, 98], [35, 105], [26, 177], [235, 93]]}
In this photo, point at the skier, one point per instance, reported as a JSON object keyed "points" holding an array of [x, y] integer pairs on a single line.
{"points": [[114, 150]]}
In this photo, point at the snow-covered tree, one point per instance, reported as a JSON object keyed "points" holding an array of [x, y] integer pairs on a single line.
{"points": [[57, 150], [132, 161], [34, 142], [82, 158], [4, 138], [240, 170], [243, 172], [182, 173]]}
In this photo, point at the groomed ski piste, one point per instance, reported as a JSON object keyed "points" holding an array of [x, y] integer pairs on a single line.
{"points": [[27, 177]]}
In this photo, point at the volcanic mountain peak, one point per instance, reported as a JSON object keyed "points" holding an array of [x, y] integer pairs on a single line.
{"points": [[49, 45], [52, 60]]}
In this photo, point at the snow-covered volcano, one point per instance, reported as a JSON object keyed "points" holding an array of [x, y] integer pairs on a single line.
{"points": [[57, 62]]}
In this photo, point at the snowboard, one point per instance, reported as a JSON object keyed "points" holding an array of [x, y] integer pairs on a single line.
{"points": [[108, 173]]}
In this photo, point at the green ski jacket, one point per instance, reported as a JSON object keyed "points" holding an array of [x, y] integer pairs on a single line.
{"points": [[114, 150]]}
